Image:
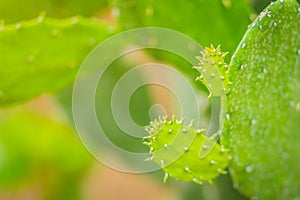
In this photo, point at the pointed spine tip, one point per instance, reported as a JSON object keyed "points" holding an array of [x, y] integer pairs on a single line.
{"points": [[166, 177]]}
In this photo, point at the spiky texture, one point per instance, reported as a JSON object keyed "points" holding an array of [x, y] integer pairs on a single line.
{"points": [[262, 129], [175, 148], [213, 70]]}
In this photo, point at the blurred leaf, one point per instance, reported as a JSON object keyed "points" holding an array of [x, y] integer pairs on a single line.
{"points": [[214, 21], [36, 148], [14, 10], [262, 129], [43, 55]]}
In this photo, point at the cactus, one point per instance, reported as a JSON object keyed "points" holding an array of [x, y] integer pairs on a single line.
{"points": [[262, 111], [214, 78], [34, 64], [205, 21], [262, 129], [175, 148], [214, 75]]}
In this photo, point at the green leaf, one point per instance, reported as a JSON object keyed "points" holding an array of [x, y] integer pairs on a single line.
{"points": [[263, 107], [43, 55], [175, 148], [219, 21]]}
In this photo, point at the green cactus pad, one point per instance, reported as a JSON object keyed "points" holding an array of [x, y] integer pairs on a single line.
{"points": [[214, 78], [214, 75], [43, 54], [175, 148], [263, 107]]}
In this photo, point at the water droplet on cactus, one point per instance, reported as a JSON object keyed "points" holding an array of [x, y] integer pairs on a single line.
{"points": [[244, 45], [249, 169]]}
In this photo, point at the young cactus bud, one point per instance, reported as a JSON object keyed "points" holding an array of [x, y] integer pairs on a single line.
{"points": [[213, 70], [175, 148]]}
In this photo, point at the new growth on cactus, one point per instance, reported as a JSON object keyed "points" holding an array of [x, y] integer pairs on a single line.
{"points": [[175, 148], [186, 153]]}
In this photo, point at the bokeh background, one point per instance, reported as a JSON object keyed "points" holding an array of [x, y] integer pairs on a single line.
{"points": [[41, 156]]}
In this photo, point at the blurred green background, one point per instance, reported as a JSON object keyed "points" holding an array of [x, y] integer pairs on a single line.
{"points": [[41, 156]]}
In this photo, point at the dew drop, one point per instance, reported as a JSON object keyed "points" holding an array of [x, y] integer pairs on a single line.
{"points": [[299, 52], [154, 139], [253, 121], [195, 180], [248, 169], [199, 131], [185, 149], [265, 71], [223, 149], [281, 1], [165, 145], [243, 45], [227, 116], [162, 162], [179, 121], [187, 169]]}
